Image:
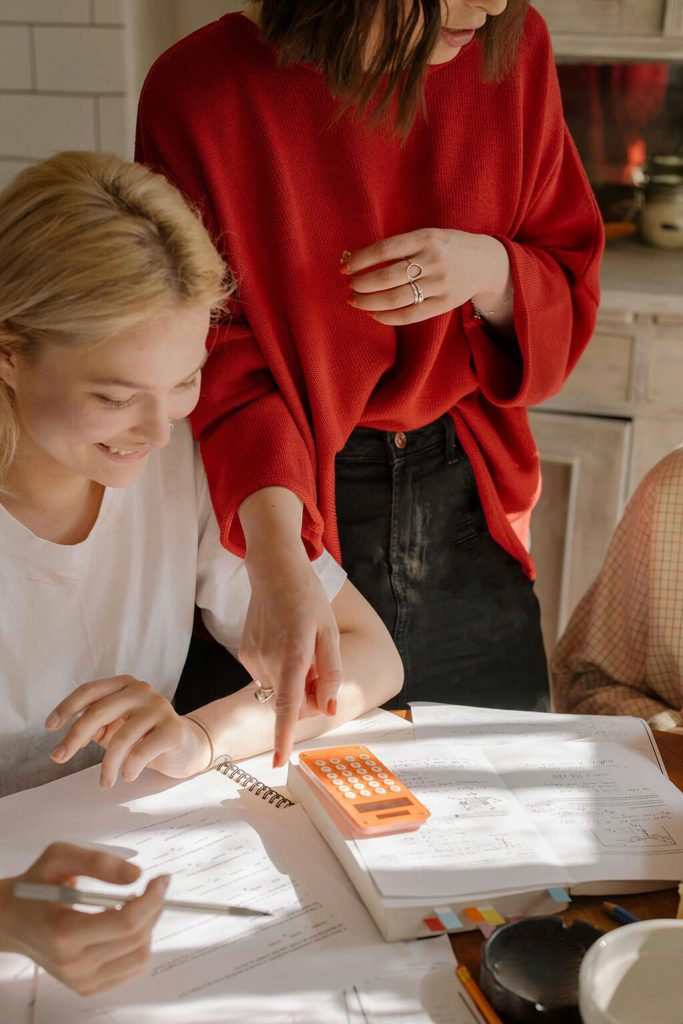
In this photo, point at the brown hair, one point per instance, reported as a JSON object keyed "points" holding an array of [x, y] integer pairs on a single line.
{"points": [[91, 246], [333, 35]]}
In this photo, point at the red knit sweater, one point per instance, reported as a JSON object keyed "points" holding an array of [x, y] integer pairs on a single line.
{"points": [[285, 186]]}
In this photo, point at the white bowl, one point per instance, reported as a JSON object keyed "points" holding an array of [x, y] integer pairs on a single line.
{"points": [[634, 975]]}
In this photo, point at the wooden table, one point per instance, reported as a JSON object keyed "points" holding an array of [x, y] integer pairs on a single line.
{"points": [[467, 946]]}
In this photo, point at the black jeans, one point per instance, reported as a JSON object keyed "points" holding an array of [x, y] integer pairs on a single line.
{"points": [[415, 542]]}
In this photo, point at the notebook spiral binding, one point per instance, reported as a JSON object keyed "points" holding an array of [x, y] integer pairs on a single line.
{"points": [[236, 774]]}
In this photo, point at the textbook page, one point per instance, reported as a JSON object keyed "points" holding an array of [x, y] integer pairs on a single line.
{"points": [[526, 817], [481, 727], [610, 815], [477, 826]]}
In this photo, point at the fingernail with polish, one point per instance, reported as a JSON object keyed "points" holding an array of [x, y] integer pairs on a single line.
{"points": [[332, 706]]}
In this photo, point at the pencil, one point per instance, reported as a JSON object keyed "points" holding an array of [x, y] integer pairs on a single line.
{"points": [[619, 914], [680, 901], [478, 997]]}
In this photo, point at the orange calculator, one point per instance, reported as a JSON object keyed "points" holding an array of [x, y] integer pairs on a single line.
{"points": [[361, 792]]}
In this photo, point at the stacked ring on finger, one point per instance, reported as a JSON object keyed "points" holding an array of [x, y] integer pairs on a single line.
{"points": [[418, 294]]}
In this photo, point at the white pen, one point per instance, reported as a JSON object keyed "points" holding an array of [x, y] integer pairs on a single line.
{"points": [[65, 894]]}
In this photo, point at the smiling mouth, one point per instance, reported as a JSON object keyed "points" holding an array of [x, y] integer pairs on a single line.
{"points": [[129, 454]]}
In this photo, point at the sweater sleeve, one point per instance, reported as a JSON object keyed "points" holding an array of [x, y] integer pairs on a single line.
{"points": [[240, 404], [621, 653], [554, 249]]}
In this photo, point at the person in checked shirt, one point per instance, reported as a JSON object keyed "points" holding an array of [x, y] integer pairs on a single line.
{"points": [[622, 652]]}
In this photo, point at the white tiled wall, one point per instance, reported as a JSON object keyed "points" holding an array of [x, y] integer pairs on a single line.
{"points": [[70, 70], [63, 79]]}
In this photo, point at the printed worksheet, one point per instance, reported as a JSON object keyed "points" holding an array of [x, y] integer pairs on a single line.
{"points": [[480, 727], [224, 845]]}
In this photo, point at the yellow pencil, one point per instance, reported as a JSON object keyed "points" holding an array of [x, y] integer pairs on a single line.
{"points": [[478, 997]]}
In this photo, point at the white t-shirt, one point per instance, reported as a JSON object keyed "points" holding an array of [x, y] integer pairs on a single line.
{"points": [[120, 602]]}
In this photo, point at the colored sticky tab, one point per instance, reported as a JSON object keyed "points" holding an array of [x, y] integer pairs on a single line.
{"points": [[474, 914], [448, 919], [560, 895], [492, 916], [434, 924], [486, 929]]}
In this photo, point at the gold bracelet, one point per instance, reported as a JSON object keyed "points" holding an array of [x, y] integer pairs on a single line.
{"points": [[212, 759]]}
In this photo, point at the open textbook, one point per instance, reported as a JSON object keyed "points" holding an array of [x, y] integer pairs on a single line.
{"points": [[523, 805]]}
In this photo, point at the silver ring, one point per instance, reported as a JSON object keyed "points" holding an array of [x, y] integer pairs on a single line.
{"points": [[418, 294], [411, 268], [262, 693]]}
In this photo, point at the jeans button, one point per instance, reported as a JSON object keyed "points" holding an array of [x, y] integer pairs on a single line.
{"points": [[400, 439]]}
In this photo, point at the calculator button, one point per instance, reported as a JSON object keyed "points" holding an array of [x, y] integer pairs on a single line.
{"points": [[374, 784], [382, 775], [366, 792], [363, 757], [337, 782], [368, 778], [390, 782], [358, 785], [333, 775], [346, 773], [349, 757], [395, 789], [335, 760], [352, 779], [320, 762], [344, 789], [371, 764], [325, 769], [380, 790], [350, 796]]}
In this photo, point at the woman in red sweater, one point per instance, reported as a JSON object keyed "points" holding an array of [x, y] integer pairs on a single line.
{"points": [[416, 251]]}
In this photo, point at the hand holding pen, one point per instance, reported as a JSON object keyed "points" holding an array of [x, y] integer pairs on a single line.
{"points": [[87, 952]]}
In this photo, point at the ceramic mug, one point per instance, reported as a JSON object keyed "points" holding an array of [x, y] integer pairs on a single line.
{"points": [[634, 975]]}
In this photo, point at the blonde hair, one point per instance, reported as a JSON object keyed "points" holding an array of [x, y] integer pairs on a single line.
{"points": [[90, 246]]}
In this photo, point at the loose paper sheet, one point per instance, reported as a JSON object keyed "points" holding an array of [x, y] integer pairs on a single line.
{"points": [[226, 846]]}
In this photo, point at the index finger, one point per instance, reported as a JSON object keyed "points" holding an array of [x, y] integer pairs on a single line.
{"points": [[291, 695], [82, 697], [397, 247]]}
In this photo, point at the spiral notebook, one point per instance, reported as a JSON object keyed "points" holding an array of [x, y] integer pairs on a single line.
{"points": [[236, 773]]}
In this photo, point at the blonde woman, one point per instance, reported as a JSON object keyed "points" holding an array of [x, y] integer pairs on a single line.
{"points": [[107, 535]]}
